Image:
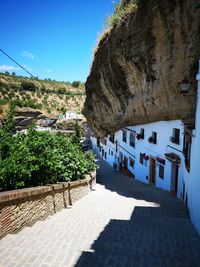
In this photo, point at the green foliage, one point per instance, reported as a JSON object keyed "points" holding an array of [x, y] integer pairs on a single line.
{"points": [[27, 103], [78, 134], [9, 125], [3, 101], [121, 9], [76, 83], [28, 86], [63, 110], [61, 90], [39, 158]]}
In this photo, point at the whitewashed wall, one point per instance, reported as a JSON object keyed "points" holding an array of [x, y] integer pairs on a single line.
{"points": [[164, 131], [194, 192]]}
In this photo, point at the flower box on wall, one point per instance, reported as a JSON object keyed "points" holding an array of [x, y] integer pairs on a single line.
{"points": [[160, 160]]}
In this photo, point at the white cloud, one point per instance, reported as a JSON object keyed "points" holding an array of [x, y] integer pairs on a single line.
{"points": [[48, 70], [28, 54], [8, 68]]}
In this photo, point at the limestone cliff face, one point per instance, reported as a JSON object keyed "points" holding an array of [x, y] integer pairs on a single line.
{"points": [[138, 65]]}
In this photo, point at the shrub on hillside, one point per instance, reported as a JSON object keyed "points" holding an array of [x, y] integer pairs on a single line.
{"points": [[76, 83], [28, 86]]}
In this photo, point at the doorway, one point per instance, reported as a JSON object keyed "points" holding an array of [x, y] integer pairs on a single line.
{"points": [[152, 171], [174, 178], [125, 163], [120, 161]]}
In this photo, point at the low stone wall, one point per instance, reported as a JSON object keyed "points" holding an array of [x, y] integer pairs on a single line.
{"points": [[24, 207]]}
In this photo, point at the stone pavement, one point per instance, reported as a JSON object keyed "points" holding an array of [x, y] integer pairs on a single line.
{"points": [[122, 223]]}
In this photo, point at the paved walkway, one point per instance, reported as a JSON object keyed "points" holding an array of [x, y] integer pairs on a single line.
{"points": [[122, 223]]}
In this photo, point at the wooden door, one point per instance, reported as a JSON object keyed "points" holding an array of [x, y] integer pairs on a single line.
{"points": [[152, 171]]}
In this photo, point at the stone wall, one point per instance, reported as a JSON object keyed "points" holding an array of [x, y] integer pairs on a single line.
{"points": [[20, 208]]}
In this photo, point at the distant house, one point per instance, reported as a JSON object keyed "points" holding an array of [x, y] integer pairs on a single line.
{"points": [[70, 115]]}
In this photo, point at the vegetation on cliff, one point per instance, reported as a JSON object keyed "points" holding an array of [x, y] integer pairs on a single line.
{"points": [[121, 10], [39, 158]]}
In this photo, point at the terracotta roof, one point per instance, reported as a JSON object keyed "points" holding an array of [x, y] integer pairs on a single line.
{"points": [[173, 157]]}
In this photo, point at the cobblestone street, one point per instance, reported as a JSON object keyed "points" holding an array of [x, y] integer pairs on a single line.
{"points": [[122, 223]]}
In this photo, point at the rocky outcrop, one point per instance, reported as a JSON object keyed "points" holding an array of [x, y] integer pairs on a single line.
{"points": [[27, 112], [25, 117], [138, 66]]}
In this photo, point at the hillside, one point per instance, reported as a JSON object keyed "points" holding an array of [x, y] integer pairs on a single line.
{"points": [[50, 97]]}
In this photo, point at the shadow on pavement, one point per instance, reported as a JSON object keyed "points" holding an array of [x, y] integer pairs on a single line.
{"points": [[149, 239], [153, 237]]}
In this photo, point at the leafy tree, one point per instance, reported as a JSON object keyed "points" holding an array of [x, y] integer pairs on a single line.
{"points": [[10, 120], [7, 73], [13, 74], [78, 134], [76, 83]]}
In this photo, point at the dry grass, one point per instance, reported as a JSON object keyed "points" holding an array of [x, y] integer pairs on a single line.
{"points": [[46, 97]]}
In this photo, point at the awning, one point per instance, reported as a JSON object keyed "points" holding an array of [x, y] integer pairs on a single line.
{"points": [[173, 157]]}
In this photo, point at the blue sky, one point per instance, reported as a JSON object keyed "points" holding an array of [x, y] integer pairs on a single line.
{"points": [[51, 38]]}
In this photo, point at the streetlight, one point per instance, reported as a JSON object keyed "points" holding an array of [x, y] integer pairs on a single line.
{"points": [[185, 87]]}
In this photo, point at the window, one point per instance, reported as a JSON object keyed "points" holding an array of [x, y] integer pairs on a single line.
{"points": [[187, 148], [132, 162], [142, 133], [154, 135], [153, 138], [112, 138], [111, 153], [175, 138], [132, 139], [141, 158], [124, 135], [98, 142], [105, 142], [105, 155], [161, 171]]}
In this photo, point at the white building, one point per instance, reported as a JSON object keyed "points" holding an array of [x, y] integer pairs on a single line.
{"points": [[163, 153], [194, 177], [151, 153], [70, 115]]}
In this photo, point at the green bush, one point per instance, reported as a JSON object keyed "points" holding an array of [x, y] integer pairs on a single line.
{"points": [[28, 86], [76, 83], [61, 90], [3, 101], [39, 158], [27, 103]]}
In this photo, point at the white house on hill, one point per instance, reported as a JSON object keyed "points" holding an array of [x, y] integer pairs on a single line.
{"points": [[70, 115]]}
